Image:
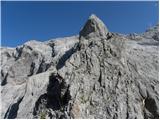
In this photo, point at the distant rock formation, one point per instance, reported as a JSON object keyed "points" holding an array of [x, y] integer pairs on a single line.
{"points": [[97, 74]]}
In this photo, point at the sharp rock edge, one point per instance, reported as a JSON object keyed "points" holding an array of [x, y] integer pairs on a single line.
{"points": [[97, 74]]}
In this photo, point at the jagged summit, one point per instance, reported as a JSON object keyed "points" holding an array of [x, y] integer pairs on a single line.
{"points": [[94, 27], [92, 77]]}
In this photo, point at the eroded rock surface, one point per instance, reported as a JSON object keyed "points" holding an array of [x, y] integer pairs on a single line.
{"points": [[97, 74]]}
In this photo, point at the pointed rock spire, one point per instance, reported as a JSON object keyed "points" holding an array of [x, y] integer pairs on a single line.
{"points": [[94, 27]]}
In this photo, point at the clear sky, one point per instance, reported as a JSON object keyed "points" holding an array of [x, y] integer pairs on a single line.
{"points": [[23, 21]]}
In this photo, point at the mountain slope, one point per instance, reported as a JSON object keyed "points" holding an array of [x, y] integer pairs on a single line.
{"points": [[97, 74]]}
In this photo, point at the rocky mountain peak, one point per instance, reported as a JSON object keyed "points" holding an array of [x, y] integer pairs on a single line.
{"points": [[97, 75], [94, 27]]}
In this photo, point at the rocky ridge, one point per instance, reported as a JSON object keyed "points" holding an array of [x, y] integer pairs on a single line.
{"points": [[97, 74]]}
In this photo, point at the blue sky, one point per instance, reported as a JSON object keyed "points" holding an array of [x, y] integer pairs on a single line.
{"points": [[23, 21]]}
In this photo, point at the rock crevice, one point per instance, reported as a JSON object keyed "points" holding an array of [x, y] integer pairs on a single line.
{"points": [[96, 74]]}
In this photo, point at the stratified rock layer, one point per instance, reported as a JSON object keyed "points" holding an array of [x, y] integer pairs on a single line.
{"points": [[97, 74]]}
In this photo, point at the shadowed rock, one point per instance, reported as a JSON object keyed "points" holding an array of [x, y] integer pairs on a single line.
{"points": [[97, 74]]}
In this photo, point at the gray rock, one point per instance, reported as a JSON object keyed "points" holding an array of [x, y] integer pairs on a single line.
{"points": [[94, 27], [97, 74]]}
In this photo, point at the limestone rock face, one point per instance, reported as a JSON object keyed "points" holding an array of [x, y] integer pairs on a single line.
{"points": [[94, 27], [97, 74]]}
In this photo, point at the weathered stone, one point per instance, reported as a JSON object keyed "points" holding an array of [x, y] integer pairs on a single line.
{"points": [[94, 27], [97, 74]]}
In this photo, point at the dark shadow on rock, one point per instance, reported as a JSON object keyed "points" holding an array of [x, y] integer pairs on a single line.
{"points": [[43, 67], [150, 105], [149, 43], [4, 80], [66, 56], [19, 51], [56, 98], [12, 110], [41, 100]]}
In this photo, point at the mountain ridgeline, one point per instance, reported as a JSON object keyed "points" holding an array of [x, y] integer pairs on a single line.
{"points": [[96, 74]]}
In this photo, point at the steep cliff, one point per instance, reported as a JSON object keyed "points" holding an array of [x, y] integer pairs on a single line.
{"points": [[97, 74]]}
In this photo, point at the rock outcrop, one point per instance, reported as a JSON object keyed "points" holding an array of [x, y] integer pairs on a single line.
{"points": [[97, 74], [94, 27]]}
